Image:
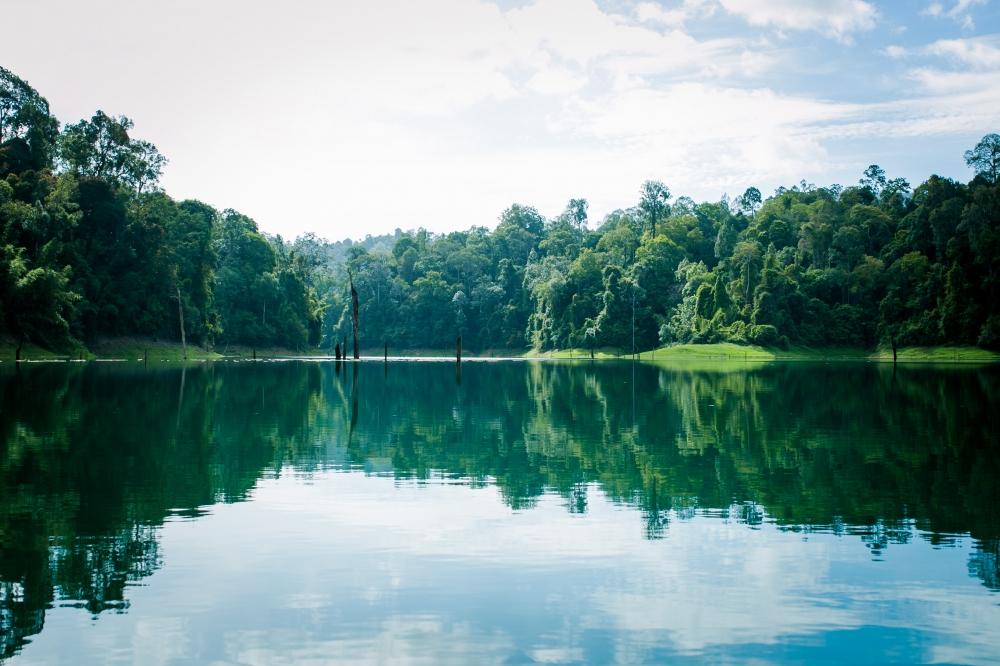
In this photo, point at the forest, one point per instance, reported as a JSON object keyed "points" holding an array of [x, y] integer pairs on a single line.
{"points": [[91, 247]]}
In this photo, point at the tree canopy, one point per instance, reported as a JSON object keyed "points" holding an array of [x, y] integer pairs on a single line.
{"points": [[91, 247]]}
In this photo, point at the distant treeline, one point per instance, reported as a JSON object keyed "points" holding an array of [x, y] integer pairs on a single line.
{"points": [[90, 247]]}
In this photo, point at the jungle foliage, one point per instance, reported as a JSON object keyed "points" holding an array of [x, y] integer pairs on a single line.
{"points": [[91, 247]]}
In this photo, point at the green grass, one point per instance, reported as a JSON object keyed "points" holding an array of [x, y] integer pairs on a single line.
{"points": [[136, 349], [30, 352], [727, 351], [602, 353], [723, 351], [941, 354]]}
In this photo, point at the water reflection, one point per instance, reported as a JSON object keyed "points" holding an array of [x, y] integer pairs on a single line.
{"points": [[96, 457]]}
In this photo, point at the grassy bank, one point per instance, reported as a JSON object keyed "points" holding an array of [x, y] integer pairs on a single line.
{"points": [[601, 353], [726, 351], [136, 349], [8, 352], [938, 355], [120, 349]]}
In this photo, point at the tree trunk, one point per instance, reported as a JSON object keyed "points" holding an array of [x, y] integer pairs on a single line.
{"points": [[337, 351], [458, 349], [892, 341], [354, 316], [746, 299], [180, 315]]}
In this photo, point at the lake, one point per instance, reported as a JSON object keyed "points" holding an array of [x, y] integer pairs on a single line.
{"points": [[500, 512]]}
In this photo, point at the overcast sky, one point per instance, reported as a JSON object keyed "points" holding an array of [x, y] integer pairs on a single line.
{"points": [[349, 119]]}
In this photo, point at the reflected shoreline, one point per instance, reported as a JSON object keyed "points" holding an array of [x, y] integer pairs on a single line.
{"points": [[97, 456]]}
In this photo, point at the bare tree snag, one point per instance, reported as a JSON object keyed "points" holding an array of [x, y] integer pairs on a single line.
{"points": [[180, 315], [354, 315]]}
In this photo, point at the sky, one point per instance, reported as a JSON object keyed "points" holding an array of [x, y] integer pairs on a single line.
{"points": [[349, 119]]}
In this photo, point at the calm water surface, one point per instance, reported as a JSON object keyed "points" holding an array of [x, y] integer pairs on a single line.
{"points": [[511, 512]]}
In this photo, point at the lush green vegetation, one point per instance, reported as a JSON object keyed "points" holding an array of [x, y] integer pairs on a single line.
{"points": [[91, 248]]}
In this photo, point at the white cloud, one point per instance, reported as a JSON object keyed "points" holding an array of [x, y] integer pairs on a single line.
{"points": [[837, 18], [305, 118], [934, 9], [960, 11], [651, 12], [556, 81], [979, 53], [676, 17], [894, 51]]}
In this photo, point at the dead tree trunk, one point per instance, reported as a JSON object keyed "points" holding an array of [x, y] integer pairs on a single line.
{"points": [[458, 349], [337, 351], [354, 316], [180, 315]]}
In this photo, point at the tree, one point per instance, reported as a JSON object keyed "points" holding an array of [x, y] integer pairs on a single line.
{"points": [[354, 316], [518, 233], [984, 159], [92, 247], [143, 166], [98, 147], [873, 179], [26, 126], [746, 256], [750, 201], [245, 282], [614, 320], [36, 301], [460, 302], [576, 209], [653, 202]]}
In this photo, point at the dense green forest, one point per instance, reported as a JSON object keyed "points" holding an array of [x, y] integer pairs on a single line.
{"points": [[91, 247]]}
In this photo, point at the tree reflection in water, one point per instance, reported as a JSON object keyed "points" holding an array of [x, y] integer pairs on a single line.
{"points": [[96, 457]]}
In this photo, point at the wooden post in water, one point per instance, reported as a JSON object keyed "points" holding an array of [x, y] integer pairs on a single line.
{"points": [[458, 349], [386, 357]]}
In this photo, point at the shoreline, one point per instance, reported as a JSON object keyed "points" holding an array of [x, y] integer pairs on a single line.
{"points": [[138, 351]]}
